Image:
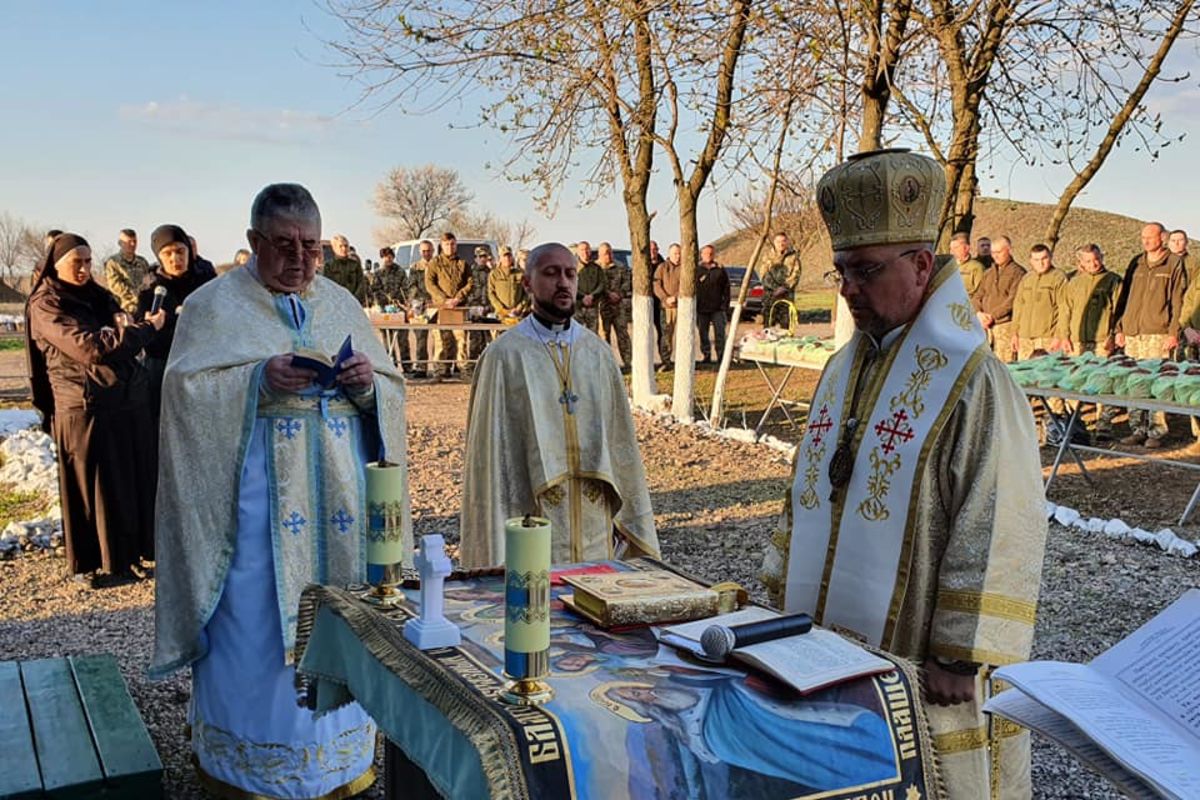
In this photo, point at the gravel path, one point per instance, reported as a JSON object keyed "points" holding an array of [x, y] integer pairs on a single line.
{"points": [[715, 503]]}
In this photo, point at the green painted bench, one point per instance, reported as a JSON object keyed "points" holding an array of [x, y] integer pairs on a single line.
{"points": [[70, 730]]}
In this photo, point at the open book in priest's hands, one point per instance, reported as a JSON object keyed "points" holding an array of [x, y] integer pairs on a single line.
{"points": [[1132, 713], [325, 367], [806, 662]]}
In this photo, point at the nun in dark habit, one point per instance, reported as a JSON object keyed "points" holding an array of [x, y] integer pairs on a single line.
{"points": [[179, 274], [93, 392]]}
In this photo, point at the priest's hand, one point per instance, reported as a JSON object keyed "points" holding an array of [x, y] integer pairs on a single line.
{"points": [[357, 372], [281, 376], [157, 319], [945, 688]]}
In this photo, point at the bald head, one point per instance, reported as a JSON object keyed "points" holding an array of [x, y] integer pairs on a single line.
{"points": [[551, 279]]}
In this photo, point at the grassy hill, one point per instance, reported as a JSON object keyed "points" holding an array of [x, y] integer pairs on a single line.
{"points": [[1024, 223]]}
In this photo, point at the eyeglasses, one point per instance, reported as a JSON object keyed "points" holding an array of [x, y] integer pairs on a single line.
{"points": [[292, 248], [860, 276]]}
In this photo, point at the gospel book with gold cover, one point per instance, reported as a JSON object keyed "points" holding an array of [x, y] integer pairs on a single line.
{"points": [[639, 598]]}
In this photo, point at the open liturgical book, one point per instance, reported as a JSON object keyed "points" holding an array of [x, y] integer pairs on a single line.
{"points": [[1132, 713], [806, 662], [326, 367]]}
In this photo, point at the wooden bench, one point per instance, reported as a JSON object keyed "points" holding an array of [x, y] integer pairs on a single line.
{"points": [[69, 729]]}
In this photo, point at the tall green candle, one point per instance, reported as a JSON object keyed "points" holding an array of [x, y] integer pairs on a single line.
{"points": [[527, 597], [387, 493]]}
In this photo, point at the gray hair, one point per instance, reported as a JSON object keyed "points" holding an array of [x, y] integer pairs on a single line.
{"points": [[532, 261], [283, 200], [1094, 249]]}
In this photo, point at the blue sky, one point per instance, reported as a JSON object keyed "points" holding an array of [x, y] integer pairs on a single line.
{"points": [[138, 112]]}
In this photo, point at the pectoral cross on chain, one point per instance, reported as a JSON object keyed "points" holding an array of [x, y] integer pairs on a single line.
{"points": [[568, 398]]}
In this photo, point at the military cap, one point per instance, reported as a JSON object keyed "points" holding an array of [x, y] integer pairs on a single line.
{"points": [[882, 197], [505, 250], [482, 251]]}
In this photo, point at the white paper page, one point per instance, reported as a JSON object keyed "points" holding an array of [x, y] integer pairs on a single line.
{"points": [[814, 658], [1158, 663], [1134, 735], [686, 636], [1024, 710]]}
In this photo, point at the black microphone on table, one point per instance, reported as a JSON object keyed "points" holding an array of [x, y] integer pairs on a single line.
{"points": [[718, 641], [160, 295]]}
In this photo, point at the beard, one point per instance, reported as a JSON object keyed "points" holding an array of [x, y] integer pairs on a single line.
{"points": [[550, 310]]}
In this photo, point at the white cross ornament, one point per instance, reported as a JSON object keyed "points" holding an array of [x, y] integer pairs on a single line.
{"points": [[432, 630]]}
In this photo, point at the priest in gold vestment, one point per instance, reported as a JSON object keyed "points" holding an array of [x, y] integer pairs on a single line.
{"points": [[916, 519], [549, 432]]}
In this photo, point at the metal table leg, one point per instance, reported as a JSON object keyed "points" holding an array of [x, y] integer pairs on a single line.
{"points": [[1065, 446], [1191, 506], [774, 398]]}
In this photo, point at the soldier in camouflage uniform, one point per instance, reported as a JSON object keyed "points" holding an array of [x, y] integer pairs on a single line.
{"points": [[449, 284], [125, 271], [1092, 314], [781, 282], [345, 269], [970, 269], [591, 287], [418, 302], [505, 290], [389, 290], [616, 303], [481, 273]]}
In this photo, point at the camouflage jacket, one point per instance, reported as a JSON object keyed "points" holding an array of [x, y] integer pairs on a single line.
{"points": [[617, 279], [784, 271], [124, 279], [347, 273], [591, 282], [396, 286], [478, 295]]}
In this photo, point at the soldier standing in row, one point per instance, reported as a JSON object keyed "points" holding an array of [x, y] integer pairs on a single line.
{"points": [[418, 300], [616, 303], [1149, 311], [1177, 243], [391, 286], [345, 270], [666, 289], [969, 268], [449, 284], [983, 251], [712, 303], [125, 271], [505, 292], [781, 283], [590, 289], [994, 300], [1092, 316], [481, 273], [1039, 310]]}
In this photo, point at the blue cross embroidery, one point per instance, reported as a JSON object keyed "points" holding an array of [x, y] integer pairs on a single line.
{"points": [[295, 522], [337, 425], [342, 520], [288, 427]]}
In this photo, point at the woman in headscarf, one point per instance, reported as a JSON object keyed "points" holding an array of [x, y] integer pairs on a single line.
{"points": [[179, 275], [92, 392]]}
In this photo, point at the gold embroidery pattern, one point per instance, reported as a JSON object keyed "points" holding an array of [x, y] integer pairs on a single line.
{"points": [[960, 741], [554, 495], [878, 485], [282, 764], [592, 490], [962, 316], [988, 605], [894, 431], [814, 454]]}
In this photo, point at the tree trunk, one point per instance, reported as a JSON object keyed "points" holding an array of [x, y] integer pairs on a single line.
{"points": [[641, 371], [683, 353]]}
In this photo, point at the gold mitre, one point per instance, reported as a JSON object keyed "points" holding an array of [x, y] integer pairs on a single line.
{"points": [[882, 197]]}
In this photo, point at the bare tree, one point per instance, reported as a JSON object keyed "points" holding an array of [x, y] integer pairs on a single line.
{"points": [[562, 81], [414, 199], [522, 235], [20, 247], [471, 223]]}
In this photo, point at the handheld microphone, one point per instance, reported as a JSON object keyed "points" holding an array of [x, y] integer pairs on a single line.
{"points": [[160, 294], [718, 641]]}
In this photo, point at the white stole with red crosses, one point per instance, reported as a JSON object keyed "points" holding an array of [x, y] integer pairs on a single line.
{"points": [[849, 580]]}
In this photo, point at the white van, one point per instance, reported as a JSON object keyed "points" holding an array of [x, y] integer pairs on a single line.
{"points": [[409, 250]]}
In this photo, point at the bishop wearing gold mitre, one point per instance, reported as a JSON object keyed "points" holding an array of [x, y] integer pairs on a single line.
{"points": [[549, 431], [916, 518]]}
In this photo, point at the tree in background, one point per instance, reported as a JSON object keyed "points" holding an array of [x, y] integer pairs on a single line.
{"points": [[414, 199], [20, 247]]}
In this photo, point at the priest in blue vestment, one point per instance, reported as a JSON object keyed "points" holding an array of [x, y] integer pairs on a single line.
{"points": [[261, 492]]}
